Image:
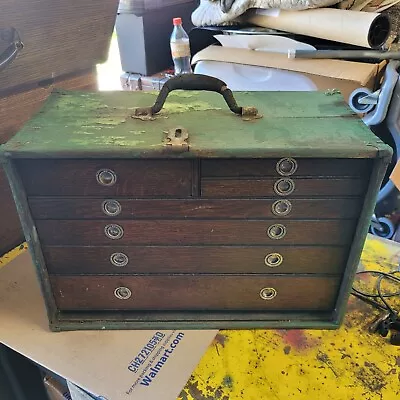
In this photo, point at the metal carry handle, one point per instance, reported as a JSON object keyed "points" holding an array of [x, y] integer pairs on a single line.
{"points": [[11, 52], [195, 82]]}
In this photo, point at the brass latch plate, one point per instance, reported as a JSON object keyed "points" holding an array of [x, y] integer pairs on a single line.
{"points": [[176, 139]]}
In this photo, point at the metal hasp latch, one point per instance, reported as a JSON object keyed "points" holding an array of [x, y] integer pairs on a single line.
{"points": [[176, 139]]}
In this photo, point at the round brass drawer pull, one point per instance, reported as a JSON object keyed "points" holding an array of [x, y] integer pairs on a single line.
{"points": [[276, 231], [268, 293], [106, 177], [122, 293], [273, 260], [114, 231], [119, 259], [284, 186], [286, 166], [111, 207], [281, 208]]}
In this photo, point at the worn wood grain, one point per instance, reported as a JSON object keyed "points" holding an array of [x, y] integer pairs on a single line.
{"points": [[267, 167], [58, 38], [265, 187], [91, 208], [194, 292], [187, 232], [303, 124], [195, 259], [135, 178], [17, 108]]}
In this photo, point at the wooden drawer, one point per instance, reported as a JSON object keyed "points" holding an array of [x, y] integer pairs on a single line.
{"points": [[196, 259], [179, 292], [96, 208], [132, 178], [269, 167], [183, 232], [234, 188]]}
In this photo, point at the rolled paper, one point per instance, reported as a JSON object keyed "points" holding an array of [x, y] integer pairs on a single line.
{"points": [[358, 28]]}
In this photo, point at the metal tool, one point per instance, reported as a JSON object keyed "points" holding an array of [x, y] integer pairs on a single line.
{"points": [[362, 100], [390, 321], [382, 106], [344, 54], [386, 324], [382, 227], [383, 324]]}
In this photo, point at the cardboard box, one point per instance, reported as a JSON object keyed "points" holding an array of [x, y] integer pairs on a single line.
{"points": [[78, 394], [115, 365], [395, 175], [326, 74], [55, 389]]}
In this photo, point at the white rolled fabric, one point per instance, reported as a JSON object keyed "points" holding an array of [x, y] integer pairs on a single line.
{"points": [[210, 12]]}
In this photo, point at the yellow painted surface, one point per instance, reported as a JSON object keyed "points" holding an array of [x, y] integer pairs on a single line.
{"points": [[12, 254], [345, 364], [348, 363]]}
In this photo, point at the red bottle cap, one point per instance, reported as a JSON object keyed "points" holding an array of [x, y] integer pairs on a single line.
{"points": [[177, 21]]}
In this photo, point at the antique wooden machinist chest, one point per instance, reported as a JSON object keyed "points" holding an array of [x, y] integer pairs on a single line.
{"points": [[195, 209]]}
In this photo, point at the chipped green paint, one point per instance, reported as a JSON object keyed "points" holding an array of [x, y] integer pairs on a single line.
{"points": [[332, 92], [173, 107], [302, 124], [184, 94]]}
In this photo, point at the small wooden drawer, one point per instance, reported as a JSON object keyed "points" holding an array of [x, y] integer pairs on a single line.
{"points": [[180, 292], [285, 167], [131, 178], [96, 208], [196, 259], [283, 187], [189, 232]]}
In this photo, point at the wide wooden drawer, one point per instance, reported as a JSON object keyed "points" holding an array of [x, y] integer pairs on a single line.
{"points": [[274, 167], [235, 188], [187, 232], [132, 178], [196, 259], [180, 292], [96, 208]]}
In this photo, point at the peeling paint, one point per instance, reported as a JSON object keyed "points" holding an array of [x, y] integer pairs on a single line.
{"points": [[227, 381], [220, 339], [75, 125], [173, 108], [287, 349]]}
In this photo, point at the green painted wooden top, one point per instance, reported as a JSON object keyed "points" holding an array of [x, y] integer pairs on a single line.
{"points": [[302, 124]]}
